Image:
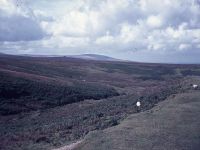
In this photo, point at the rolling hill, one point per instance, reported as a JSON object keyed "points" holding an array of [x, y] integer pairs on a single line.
{"points": [[48, 102], [83, 56]]}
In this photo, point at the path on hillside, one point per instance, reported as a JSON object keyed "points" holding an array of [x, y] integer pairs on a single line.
{"points": [[173, 124]]}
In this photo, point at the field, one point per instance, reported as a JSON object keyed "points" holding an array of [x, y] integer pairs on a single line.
{"points": [[49, 102]]}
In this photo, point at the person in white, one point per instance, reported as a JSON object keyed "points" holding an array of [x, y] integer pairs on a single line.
{"points": [[138, 104]]}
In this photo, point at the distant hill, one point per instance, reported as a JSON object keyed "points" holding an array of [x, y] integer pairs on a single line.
{"points": [[84, 56], [94, 57]]}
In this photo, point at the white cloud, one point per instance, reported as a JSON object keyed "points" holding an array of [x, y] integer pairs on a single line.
{"points": [[7, 6], [104, 40], [130, 33], [154, 21], [184, 47], [65, 42], [73, 24]]}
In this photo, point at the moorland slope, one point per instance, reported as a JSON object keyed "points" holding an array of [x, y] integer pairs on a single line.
{"points": [[48, 102]]}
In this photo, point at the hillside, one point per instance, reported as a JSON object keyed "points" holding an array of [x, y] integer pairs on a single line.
{"points": [[172, 124], [48, 102]]}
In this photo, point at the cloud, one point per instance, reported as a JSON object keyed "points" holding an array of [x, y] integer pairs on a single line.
{"points": [[184, 46], [18, 28], [154, 21], [121, 28], [16, 24], [105, 40], [7, 6]]}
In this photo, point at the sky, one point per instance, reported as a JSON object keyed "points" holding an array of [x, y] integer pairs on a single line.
{"points": [[139, 30]]}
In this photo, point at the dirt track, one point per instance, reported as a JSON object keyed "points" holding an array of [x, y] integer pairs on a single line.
{"points": [[173, 124], [69, 147]]}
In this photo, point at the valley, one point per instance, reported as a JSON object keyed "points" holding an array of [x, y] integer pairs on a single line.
{"points": [[50, 102]]}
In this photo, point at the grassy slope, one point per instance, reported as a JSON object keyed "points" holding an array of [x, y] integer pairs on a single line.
{"points": [[172, 124]]}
